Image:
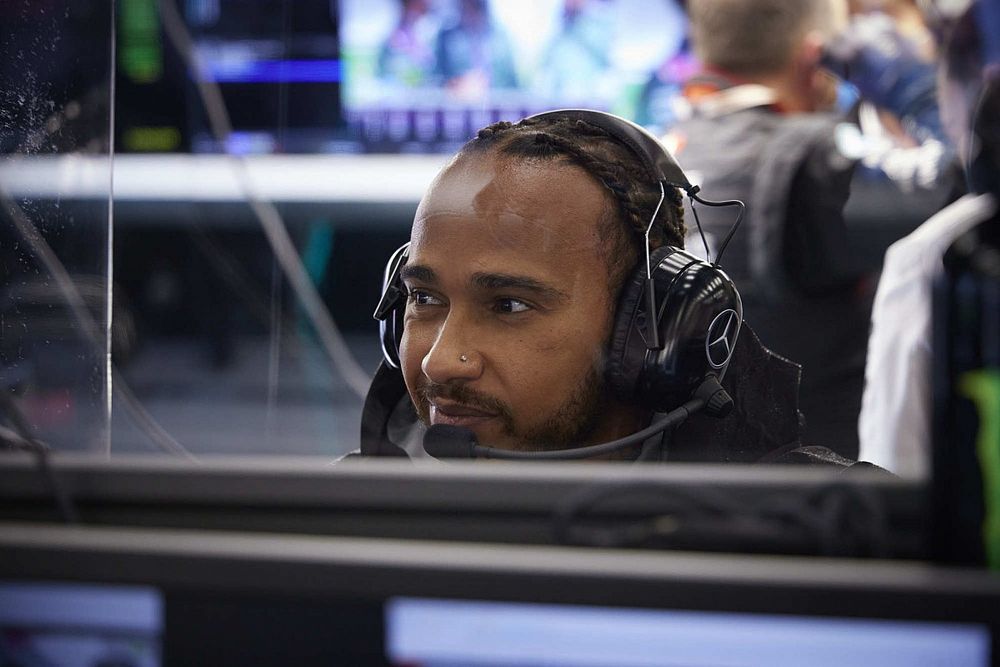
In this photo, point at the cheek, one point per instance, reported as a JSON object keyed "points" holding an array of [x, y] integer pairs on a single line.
{"points": [[570, 341], [555, 358], [577, 340], [413, 347]]}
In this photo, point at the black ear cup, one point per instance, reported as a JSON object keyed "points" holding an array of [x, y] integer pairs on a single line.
{"points": [[622, 369], [392, 306], [694, 300], [699, 314], [391, 333]]}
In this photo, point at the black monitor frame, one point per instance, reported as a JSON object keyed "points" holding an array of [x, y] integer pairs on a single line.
{"points": [[232, 541], [201, 570], [467, 501]]}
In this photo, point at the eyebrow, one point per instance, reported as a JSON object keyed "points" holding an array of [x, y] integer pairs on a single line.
{"points": [[498, 281], [424, 274], [489, 281]]}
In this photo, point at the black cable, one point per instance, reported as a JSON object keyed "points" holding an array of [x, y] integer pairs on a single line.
{"points": [[838, 519], [673, 418], [27, 442], [701, 232], [855, 520], [652, 449], [693, 194], [275, 230], [48, 260], [672, 510]]}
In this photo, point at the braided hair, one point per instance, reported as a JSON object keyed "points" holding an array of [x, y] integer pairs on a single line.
{"points": [[611, 163]]}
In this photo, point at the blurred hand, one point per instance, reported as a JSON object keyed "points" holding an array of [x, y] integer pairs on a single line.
{"points": [[888, 71], [878, 59]]}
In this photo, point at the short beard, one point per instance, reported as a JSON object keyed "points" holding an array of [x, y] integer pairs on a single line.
{"points": [[570, 425]]}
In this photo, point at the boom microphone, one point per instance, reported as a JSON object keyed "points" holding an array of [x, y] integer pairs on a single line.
{"points": [[444, 441]]}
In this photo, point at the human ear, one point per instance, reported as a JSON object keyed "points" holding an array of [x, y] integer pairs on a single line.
{"points": [[818, 84]]}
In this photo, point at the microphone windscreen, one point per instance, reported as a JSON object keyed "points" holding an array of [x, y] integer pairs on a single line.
{"points": [[444, 441]]}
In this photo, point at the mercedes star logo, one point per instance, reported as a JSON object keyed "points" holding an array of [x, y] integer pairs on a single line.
{"points": [[720, 339]]}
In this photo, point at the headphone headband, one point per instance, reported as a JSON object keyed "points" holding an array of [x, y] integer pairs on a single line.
{"points": [[648, 148]]}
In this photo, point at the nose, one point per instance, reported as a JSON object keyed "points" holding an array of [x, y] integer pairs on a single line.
{"points": [[454, 356]]}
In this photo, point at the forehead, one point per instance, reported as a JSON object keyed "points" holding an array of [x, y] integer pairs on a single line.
{"points": [[514, 209]]}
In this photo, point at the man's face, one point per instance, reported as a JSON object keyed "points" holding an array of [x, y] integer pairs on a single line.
{"points": [[509, 304]]}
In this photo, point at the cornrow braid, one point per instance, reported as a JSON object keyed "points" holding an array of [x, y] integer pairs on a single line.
{"points": [[610, 162]]}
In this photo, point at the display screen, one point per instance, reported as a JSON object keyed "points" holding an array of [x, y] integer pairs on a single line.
{"points": [[277, 65], [86, 624], [449, 633], [424, 75], [45, 623], [389, 76]]}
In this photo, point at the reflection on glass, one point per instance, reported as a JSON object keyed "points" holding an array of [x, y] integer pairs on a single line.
{"points": [[55, 110], [226, 260]]}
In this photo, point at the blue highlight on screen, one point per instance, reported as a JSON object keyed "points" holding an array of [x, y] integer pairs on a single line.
{"points": [[271, 71]]}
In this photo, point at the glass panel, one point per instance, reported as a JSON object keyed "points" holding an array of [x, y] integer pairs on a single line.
{"points": [[272, 157], [55, 183], [251, 129], [243, 259]]}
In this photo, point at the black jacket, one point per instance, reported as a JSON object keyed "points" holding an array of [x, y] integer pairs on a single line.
{"points": [[764, 426], [801, 282]]}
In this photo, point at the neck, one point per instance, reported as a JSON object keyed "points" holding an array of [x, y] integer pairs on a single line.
{"points": [[790, 96], [618, 420]]}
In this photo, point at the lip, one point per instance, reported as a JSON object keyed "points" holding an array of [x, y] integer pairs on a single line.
{"points": [[457, 414]]}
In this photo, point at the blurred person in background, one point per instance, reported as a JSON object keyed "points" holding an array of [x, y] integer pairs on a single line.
{"points": [[766, 128], [895, 132], [661, 103], [474, 55], [908, 19], [578, 57], [407, 55], [895, 423]]}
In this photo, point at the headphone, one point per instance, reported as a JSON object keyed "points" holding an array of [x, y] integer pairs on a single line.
{"points": [[678, 317]]}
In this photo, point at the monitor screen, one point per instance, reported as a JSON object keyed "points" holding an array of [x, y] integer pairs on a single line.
{"points": [[239, 597], [424, 75], [449, 633], [274, 64], [70, 624], [389, 76], [278, 68], [86, 624]]}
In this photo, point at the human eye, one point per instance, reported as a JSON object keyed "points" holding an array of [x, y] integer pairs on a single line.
{"points": [[508, 305], [419, 297]]}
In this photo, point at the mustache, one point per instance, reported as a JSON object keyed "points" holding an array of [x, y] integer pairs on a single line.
{"points": [[459, 393]]}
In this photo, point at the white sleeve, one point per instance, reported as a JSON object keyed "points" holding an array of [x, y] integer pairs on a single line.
{"points": [[894, 428]]}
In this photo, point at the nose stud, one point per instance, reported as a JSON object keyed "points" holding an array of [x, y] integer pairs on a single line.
{"points": [[463, 358]]}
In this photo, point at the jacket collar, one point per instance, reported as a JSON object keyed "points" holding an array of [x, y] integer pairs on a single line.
{"points": [[713, 93]]}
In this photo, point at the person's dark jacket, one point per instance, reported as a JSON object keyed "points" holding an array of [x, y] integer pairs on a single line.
{"points": [[802, 284], [765, 424]]}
